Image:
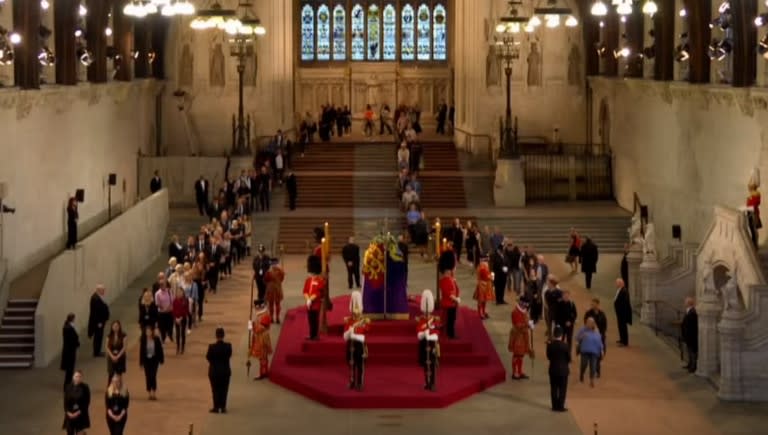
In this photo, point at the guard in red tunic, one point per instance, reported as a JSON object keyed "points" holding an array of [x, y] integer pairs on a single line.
{"points": [[753, 203], [355, 327], [449, 292], [274, 280], [261, 342], [520, 338], [314, 286], [429, 345], [484, 291]]}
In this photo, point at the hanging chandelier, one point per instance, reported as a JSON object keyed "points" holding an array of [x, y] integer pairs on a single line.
{"points": [[623, 7], [167, 8], [215, 17], [552, 13]]}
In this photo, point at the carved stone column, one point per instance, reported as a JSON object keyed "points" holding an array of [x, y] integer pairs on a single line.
{"points": [[731, 330], [708, 308], [634, 258], [26, 18], [96, 22], [65, 21], [649, 272], [123, 40]]}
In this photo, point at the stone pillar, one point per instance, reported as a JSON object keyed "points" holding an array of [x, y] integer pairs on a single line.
{"points": [[509, 186], [649, 272], [708, 308], [634, 258], [731, 330]]}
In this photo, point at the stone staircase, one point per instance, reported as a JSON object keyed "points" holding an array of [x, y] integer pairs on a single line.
{"points": [[550, 234], [328, 157], [17, 334], [296, 234]]}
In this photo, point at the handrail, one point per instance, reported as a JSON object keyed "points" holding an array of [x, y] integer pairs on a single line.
{"points": [[636, 205], [658, 303], [474, 135]]}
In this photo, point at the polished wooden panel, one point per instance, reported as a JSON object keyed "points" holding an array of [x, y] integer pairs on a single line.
{"points": [[699, 36], [744, 42], [65, 23], [591, 36], [142, 46], [123, 40], [635, 37], [159, 29], [96, 22], [611, 41], [664, 41], [26, 21]]}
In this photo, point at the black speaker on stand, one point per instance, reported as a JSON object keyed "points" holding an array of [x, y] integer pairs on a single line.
{"points": [[112, 182], [677, 233], [80, 195]]}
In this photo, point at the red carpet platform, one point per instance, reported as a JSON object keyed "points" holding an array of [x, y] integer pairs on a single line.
{"points": [[393, 378]]}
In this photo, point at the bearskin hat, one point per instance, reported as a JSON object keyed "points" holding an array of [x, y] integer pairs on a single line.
{"points": [[447, 261], [314, 264], [319, 234]]}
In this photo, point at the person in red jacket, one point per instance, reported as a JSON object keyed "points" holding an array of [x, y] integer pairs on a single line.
{"points": [[180, 311], [274, 279], [520, 338], [314, 286], [261, 342], [484, 290], [355, 327], [449, 292], [429, 344]]}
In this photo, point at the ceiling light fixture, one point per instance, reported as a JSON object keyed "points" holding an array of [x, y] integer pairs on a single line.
{"points": [[215, 17], [599, 9], [552, 11]]}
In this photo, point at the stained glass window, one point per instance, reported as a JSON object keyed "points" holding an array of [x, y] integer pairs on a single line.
{"points": [[323, 33], [390, 33], [307, 33], [423, 37], [374, 31], [407, 44], [339, 33], [439, 42], [358, 33]]}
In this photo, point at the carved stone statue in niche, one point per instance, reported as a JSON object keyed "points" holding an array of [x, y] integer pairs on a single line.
{"points": [[251, 67], [217, 66], [534, 65], [492, 69], [732, 295], [574, 66], [186, 67], [649, 242]]}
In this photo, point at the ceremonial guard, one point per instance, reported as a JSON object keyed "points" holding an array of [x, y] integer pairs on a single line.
{"points": [[274, 279], [428, 335], [261, 264], [520, 338], [261, 342], [355, 327], [484, 291], [314, 286], [449, 292]]}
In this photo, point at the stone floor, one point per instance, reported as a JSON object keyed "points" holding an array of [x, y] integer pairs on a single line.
{"points": [[643, 389]]}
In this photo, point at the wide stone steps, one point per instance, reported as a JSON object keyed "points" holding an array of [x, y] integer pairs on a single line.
{"points": [[323, 191], [440, 157], [296, 234], [17, 334], [375, 158], [376, 192], [442, 192], [325, 157], [551, 234]]}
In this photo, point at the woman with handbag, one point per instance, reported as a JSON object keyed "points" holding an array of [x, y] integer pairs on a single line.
{"points": [[590, 347]]}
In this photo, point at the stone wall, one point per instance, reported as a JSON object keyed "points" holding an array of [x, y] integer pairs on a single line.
{"points": [[683, 149], [115, 255], [59, 139]]}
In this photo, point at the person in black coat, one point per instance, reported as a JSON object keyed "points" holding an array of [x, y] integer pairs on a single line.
{"points": [[351, 255], [261, 265], [176, 249], [77, 400], [71, 341], [290, 185], [565, 317], [151, 357], [625, 266], [147, 309], [156, 183], [690, 333], [97, 318], [623, 308], [589, 256], [499, 269], [559, 356], [598, 315], [219, 371], [202, 189], [72, 217], [116, 401]]}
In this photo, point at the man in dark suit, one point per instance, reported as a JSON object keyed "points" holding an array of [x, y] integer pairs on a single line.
{"points": [[565, 317], [71, 341], [156, 183], [690, 333], [176, 249], [215, 253], [625, 266], [589, 256], [499, 269], [351, 255], [596, 313], [261, 264], [219, 371], [290, 185], [97, 318], [559, 357], [202, 188], [623, 307]]}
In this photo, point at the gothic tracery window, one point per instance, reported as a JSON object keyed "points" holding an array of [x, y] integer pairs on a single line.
{"points": [[373, 30]]}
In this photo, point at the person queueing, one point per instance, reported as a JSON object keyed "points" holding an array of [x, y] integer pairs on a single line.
{"points": [[449, 292], [520, 338], [274, 279], [219, 371], [429, 344], [355, 327], [261, 264], [261, 342], [314, 286], [484, 291]]}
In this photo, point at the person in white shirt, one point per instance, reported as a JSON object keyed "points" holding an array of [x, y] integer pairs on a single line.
{"points": [[403, 156], [279, 166]]}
